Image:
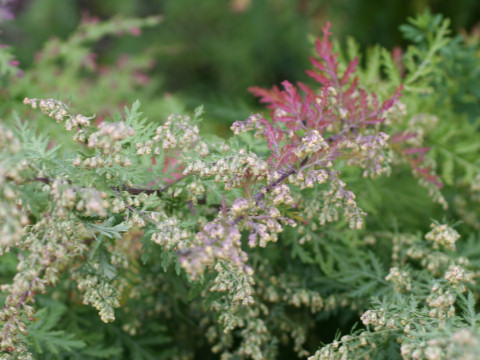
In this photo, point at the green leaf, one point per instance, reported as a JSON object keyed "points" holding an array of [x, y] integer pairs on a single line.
{"points": [[111, 232], [49, 341], [146, 246], [471, 148], [391, 68], [467, 305], [447, 170], [100, 352], [106, 269], [195, 290]]}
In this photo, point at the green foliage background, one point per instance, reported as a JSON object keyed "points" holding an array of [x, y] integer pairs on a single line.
{"points": [[210, 52]]}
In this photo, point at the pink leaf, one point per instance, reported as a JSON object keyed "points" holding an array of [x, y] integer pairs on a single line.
{"points": [[350, 70]]}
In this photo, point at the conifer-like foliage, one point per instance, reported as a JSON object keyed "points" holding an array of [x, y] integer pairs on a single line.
{"points": [[129, 238]]}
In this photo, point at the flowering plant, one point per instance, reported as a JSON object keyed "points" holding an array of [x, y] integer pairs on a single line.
{"points": [[248, 241]]}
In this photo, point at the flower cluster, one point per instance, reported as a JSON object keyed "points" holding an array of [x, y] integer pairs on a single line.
{"points": [[369, 152], [231, 171], [360, 346], [13, 218], [458, 276], [312, 143], [177, 133], [303, 161], [442, 237], [401, 280], [60, 112], [461, 344], [51, 245], [107, 142], [421, 327], [435, 256], [101, 294], [441, 302], [215, 233], [168, 233], [239, 286], [250, 124], [376, 318]]}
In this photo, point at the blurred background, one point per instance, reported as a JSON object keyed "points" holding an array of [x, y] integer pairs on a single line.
{"points": [[203, 52]]}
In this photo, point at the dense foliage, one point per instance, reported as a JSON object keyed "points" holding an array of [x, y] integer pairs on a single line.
{"points": [[124, 237]]}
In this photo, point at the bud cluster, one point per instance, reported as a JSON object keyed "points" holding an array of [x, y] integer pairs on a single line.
{"points": [[60, 112], [101, 294], [376, 318], [281, 289], [107, 142], [67, 197], [109, 135], [308, 298], [237, 282], [401, 279], [265, 227], [308, 178], [312, 143], [49, 246], [217, 240], [347, 347], [169, 234], [63, 195], [458, 276], [251, 123], [461, 344], [232, 170], [435, 255], [92, 202], [370, 152], [441, 301], [442, 237], [337, 198], [13, 217], [98, 282], [179, 133]]}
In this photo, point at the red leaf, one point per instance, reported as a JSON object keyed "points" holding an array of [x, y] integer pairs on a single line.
{"points": [[350, 70], [416, 150]]}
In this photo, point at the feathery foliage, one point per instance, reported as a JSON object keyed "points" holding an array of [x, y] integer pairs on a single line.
{"points": [[127, 238]]}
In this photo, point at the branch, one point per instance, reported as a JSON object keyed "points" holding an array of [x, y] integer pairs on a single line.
{"points": [[261, 194], [130, 190]]}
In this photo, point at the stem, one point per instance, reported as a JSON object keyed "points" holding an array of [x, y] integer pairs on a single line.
{"points": [[261, 194], [130, 190]]}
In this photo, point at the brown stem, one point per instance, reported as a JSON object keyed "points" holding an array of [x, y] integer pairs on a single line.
{"points": [[45, 180], [130, 190], [261, 194]]}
